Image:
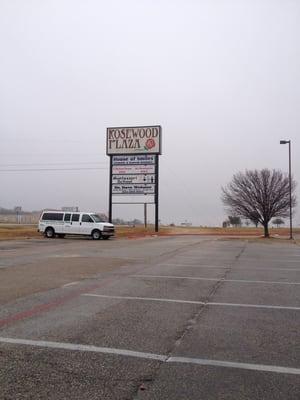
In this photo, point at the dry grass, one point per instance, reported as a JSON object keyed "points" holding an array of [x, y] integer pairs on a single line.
{"points": [[8, 232], [242, 231], [18, 231]]}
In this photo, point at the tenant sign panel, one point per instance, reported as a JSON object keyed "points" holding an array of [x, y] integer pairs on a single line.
{"points": [[133, 140], [143, 159], [137, 178], [133, 189], [133, 169]]}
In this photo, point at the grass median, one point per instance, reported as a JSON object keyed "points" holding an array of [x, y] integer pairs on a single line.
{"points": [[10, 232]]}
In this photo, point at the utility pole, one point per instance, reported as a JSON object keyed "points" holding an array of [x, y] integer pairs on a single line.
{"points": [[290, 184]]}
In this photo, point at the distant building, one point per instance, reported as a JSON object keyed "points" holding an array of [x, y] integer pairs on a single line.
{"points": [[70, 209], [186, 223]]}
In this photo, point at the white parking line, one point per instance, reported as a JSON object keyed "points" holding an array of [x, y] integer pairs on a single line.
{"points": [[66, 256], [70, 284], [207, 257], [214, 279], [81, 347], [150, 356], [289, 258], [193, 266], [223, 267], [263, 306], [228, 364], [286, 260], [144, 298]]}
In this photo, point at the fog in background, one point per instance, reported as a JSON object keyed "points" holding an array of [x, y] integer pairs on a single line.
{"points": [[221, 77]]}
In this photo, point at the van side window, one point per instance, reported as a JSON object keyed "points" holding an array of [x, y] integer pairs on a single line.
{"points": [[67, 217], [75, 217], [52, 216], [86, 218]]}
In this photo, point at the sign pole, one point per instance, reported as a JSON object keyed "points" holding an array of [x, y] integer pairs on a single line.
{"points": [[156, 191], [110, 191], [145, 215]]}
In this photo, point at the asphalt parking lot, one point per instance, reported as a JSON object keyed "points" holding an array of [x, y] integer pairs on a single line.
{"points": [[156, 318]]}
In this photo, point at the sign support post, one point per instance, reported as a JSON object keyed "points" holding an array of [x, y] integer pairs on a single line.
{"points": [[145, 215], [110, 191], [156, 193]]}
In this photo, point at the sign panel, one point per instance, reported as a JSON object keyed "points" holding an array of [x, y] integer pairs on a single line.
{"points": [[133, 189], [133, 169], [134, 140], [137, 178], [134, 166], [132, 160]]}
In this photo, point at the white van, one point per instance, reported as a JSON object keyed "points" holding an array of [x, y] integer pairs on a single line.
{"points": [[63, 223]]}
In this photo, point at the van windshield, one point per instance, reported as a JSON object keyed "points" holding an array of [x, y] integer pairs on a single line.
{"points": [[96, 218]]}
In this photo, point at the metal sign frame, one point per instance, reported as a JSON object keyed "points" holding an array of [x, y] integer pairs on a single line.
{"points": [[147, 164]]}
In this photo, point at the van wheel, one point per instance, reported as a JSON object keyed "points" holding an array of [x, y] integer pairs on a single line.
{"points": [[49, 233], [96, 235]]}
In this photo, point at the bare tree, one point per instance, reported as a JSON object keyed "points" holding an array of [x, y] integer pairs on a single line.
{"points": [[259, 196], [278, 221], [234, 220]]}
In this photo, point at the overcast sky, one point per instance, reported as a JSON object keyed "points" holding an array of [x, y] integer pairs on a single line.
{"points": [[222, 78]]}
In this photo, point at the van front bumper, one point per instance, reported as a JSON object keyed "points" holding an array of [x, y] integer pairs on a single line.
{"points": [[108, 231]]}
